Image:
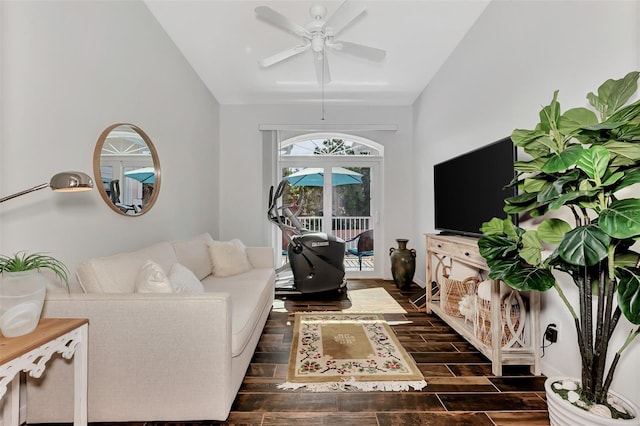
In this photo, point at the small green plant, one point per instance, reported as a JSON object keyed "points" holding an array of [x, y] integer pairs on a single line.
{"points": [[585, 163], [22, 261]]}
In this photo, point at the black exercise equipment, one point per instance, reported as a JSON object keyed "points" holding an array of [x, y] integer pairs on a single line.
{"points": [[316, 259]]}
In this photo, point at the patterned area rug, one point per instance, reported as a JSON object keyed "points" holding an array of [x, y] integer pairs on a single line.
{"points": [[335, 351]]}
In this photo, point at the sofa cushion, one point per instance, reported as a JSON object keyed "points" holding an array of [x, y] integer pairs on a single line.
{"points": [[184, 281], [229, 258], [118, 273], [250, 293], [194, 254], [152, 279]]}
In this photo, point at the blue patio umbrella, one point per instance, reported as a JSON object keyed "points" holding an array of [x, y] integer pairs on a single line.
{"points": [[314, 176], [144, 175]]}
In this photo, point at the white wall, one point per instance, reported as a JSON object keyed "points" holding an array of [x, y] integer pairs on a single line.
{"points": [[243, 205], [69, 70], [505, 69]]}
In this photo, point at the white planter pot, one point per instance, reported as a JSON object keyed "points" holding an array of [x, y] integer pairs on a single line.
{"points": [[21, 299], [563, 413]]}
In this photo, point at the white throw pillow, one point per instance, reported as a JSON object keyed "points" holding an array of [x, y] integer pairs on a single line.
{"points": [[229, 258], [152, 279], [183, 280], [194, 254]]}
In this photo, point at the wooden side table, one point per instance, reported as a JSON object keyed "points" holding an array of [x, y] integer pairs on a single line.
{"points": [[31, 352]]}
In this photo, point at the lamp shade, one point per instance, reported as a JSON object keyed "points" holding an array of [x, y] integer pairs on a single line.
{"points": [[71, 182], [62, 182]]}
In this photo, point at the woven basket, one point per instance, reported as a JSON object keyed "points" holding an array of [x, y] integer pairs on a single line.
{"points": [[512, 321], [452, 293]]}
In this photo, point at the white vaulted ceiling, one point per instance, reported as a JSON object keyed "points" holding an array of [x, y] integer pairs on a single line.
{"points": [[223, 41]]}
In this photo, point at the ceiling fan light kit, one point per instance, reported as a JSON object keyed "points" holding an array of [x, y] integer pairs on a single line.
{"points": [[317, 36]]}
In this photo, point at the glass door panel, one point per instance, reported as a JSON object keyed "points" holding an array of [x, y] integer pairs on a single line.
{"points": [[304, 198], [351, 215], [338, 203]]}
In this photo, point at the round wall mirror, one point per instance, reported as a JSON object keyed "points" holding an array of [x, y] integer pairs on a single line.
{"points": [[126, 169]]}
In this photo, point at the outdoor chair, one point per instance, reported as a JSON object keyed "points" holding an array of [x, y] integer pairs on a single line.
{"points": [[364, 246]]}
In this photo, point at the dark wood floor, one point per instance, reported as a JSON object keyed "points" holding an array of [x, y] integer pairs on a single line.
{"points": [[461, 388]]}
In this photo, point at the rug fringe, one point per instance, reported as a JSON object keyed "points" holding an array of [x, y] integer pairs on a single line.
{"points": [[352, 384]]}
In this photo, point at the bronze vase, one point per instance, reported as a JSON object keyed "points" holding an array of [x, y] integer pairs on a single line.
{"points": [[403, 264]]}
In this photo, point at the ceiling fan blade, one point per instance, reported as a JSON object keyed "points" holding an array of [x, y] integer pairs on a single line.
{"points": [[281, 56], [322, 67], [342, 17], [279, 20], [360, 50]]}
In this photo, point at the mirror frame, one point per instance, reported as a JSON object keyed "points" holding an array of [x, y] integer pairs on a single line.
{"points": [[97, 176]]}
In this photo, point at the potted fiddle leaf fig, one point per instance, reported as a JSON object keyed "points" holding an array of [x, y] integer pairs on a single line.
{"points": [[584, 163]]}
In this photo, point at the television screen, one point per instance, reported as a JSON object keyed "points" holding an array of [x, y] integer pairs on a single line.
{"points": [[470, 189]]}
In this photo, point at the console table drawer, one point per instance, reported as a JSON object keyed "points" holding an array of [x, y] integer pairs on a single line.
{"points": [[441, 246], [469, 254], [458, 248]]}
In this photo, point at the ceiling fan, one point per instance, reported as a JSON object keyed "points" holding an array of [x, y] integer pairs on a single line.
{"points": [[318, 36]]}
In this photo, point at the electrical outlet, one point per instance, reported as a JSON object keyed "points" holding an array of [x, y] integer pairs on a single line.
{"points": [[551, 333]]}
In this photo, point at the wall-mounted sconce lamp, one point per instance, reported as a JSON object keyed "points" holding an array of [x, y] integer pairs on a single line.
{"points": [[61, 182]]}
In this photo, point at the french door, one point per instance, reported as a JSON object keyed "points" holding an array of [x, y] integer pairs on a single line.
{"points": [[341, 198]]}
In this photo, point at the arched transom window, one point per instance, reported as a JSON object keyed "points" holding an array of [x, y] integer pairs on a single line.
{"points": [[329, 144]]}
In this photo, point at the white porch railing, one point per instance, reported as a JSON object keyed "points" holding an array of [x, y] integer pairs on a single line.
{"points": [[345, 227]]}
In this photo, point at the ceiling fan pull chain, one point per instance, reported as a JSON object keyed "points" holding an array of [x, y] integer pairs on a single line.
{"points": [[323, 68]]}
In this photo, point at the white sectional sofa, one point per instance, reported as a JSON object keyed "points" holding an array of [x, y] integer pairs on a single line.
{"points": [[158, 356]]}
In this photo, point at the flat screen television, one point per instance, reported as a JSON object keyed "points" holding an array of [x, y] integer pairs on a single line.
{"points": [[470, 189]]}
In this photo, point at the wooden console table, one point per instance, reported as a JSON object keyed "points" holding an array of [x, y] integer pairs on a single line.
{"points": [[443, 251], [31, 352]]}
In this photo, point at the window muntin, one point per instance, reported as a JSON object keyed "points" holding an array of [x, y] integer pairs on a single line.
{"points": [[329, 145]]}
